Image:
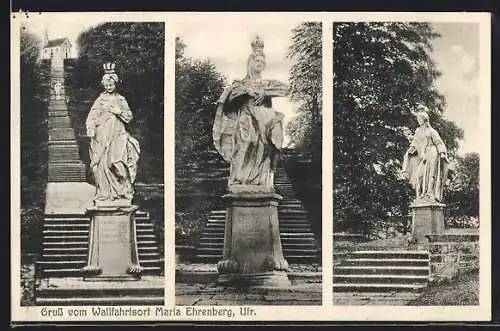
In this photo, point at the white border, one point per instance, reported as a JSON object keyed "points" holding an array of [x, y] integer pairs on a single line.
{"points": [[326, 312]]}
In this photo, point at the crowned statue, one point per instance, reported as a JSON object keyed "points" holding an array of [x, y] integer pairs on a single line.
{"points": [[247, 131], [114, 153], [425, 163]]}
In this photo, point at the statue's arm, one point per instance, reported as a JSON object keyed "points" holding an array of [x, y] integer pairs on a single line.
{"points": [[275, 88], [237, 90], [91, 121], [126, 114], [436, 138]]}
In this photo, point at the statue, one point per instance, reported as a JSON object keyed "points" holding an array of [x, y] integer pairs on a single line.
{"points": [[57, 90], [425, 163], [114, 153], [247, 131]]}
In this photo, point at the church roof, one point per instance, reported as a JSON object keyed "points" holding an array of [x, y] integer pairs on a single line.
{"points": [[56, 42]]}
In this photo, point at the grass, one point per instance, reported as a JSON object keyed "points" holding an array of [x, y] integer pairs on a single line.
{"points": [[462, 291], [28, 282]]}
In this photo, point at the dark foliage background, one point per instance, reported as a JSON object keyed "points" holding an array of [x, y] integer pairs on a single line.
{"points": [[382, 71], [200, 172], [138, 51], [34, 91]]}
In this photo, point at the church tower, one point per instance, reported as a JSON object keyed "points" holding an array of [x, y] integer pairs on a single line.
{"points": [[45, 38]]}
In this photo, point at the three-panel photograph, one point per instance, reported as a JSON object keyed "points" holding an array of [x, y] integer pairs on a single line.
{"points": [[250, 167]]}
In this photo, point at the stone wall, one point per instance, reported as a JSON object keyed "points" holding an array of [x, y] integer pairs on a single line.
{"points": [[452, 255]]}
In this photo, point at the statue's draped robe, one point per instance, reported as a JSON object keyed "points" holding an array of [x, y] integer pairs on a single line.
{"points": [[249, 136], [425, 169], [114, 153]]}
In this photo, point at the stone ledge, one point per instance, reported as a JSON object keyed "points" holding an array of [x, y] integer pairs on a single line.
{"points": [[447, 238]]}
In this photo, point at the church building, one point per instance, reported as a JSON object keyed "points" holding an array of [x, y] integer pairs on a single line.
{"points": [[56, 48]]}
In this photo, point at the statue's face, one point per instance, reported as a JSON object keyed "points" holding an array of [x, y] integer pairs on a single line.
{"points": [[109, 85], [259, 63]]}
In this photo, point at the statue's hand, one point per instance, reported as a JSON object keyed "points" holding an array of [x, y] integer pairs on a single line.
{"points": [[90, 132], [412, 150], [115, 110], [443, 156], [258, 96]]}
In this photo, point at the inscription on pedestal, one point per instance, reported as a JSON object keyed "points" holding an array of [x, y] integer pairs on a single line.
{"points": [[427, 219], [251, 237], [113, 250], [114, 244]]}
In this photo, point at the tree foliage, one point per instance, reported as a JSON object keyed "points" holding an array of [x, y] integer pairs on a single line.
{"points": [[34, 90], [306, 86], [198, 85], [138, 51], [462, 192], [382, 72]]}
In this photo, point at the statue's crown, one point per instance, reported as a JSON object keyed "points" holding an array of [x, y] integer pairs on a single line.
{"points": [[109, 68], [257, 45]]}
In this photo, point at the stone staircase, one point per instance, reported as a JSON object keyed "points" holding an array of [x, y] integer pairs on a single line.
{"points": [[65, 245], [65, 164], [297, 239], [382, 271]]}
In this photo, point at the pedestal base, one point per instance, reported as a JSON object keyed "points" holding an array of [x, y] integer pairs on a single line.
{"points": [[427, 218], [113, 253], [252, 246]]}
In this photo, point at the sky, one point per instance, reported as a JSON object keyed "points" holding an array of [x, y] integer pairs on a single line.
{"points": [[456, 54], [60, 26], [227, 45]]}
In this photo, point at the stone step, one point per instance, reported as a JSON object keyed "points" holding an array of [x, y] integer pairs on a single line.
{"points": [[62, 227], [58, 113], [283, 235], [214, 258], [72, 256], [386, 262], [57, 108], [356, 287], [146, 250], [367, 254], [70, 156], [99, 301], [104, 292], [380, 279], [60, 120], [75, 272], [286, 251], [140, 217], [61, 134], [380, 270], [76, 264]]}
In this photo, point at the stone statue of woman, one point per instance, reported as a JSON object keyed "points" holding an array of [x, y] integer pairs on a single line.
{"points": [[247, 131], [114, 153], [425, 163]]}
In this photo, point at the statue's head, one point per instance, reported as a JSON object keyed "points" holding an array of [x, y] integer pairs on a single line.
{"points": [[110, 78], [422, 118], [256, 60]]}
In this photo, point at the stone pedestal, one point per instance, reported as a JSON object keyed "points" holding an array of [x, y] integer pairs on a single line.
{"points": [[113, 253], [252, 247], [427, 218]]}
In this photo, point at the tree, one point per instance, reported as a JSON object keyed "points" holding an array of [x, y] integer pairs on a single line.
{"points": [[33, 114], [462, 192], [33, 149], [306, 85], [137, 48], [382, 72], [198, 85]]}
